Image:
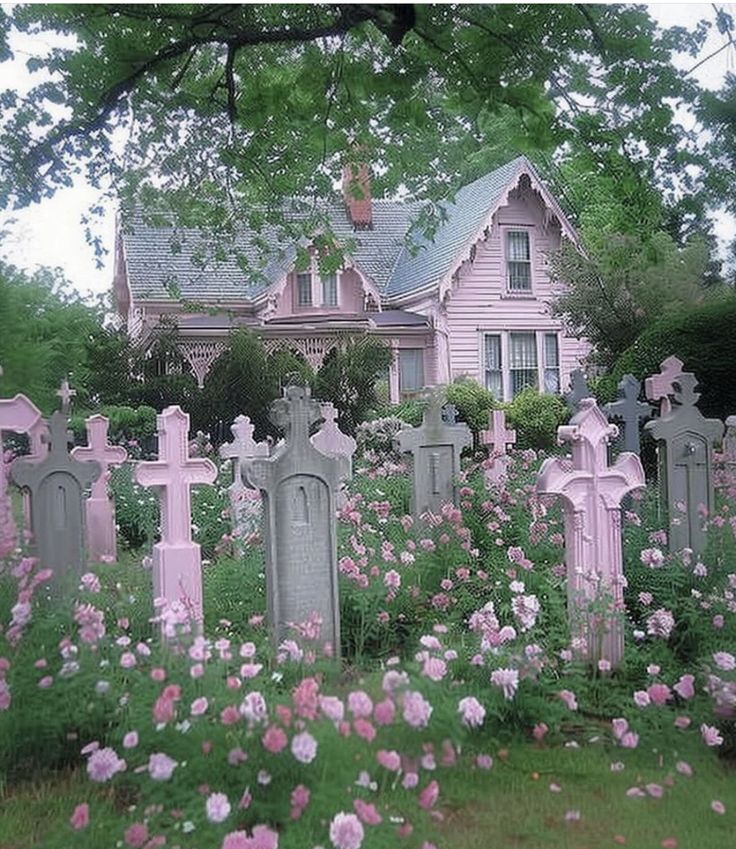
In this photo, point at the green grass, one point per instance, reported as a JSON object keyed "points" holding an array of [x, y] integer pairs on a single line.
{"points": [[507, 807]]}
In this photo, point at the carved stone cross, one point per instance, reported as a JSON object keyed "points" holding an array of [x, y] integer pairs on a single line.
{"points": [[629, 410], [299, 483], [592, 491], [57, 484], [177, 568], [579, 389], [66, 393], [19, 415], [245, 509], [659, 387], [449, 414], [729, 441], [497, 437], [685, 456], [100, 510]]}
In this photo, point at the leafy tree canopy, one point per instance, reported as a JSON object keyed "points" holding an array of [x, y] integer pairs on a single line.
{"points": [[220, 111]]}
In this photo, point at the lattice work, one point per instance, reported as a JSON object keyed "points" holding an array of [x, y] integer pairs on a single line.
{"points": [[314, 349], [200, 356]]}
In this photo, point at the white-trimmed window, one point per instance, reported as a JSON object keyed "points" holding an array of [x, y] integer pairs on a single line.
{"points": [[523, 367], [411, 370], [494, 365], [551, 364], [304, 289], [329, 290], [518, 261]]}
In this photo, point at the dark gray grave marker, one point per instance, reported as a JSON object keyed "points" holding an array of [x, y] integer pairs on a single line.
{"points": [[579, 389], [629, 411]]}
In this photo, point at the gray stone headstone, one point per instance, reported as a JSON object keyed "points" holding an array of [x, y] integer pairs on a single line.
{"points": [[245, 502], [449, 414], [435, 448], [579, 389], [729, 442], [685, 441], [57, 484], [628, 411], [298, 484]]}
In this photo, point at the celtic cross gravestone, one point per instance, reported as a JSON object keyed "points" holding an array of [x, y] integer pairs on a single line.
{"points": [[591, 492], [579, 389], [659, 387], [245, 502], [497, 437], [298, 484]]}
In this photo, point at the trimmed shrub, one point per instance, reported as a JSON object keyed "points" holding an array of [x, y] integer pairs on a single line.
{"points": [[536, 418], [473, 402]]}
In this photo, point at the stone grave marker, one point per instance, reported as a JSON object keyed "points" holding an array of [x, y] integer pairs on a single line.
{"points": [[298, 484], [435, 448], [177, 564], [245, 502], [579, 389], [449, 414], [57, 484], [685, 441], [330, 440], [729, 442], [629, 411], [66, 393], [591, 492], [497, 437], [659, 387], [19, 415], [100, 509]]}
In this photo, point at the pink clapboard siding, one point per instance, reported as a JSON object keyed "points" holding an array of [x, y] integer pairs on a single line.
{"points": [[479, 302], [349, 297]]}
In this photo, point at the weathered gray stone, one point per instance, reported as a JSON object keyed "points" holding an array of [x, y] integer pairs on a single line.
{"points": [[628, 411], [729, 441], [579, 389], [57, 484], [245, 502], [435, 448], [685, 457], [298, 484]]}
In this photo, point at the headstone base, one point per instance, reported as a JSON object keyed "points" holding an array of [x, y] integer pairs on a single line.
{"points": [[101, 535], [177, 575]]}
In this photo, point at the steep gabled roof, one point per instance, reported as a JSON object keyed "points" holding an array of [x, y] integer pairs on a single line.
{"points": [[163, 262]]}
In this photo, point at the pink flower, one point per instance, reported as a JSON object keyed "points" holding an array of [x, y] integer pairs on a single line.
{"points": [[199, 706], [724, 660], [103, 764], [472, 712], [128, 660], [568, 697], [484, 761], [80, 818], [304, 747], [360, 704], [659, 693], [332, 708], [136, 836], [161, 767], [346, 831], [217, 807], [389, 760], [306, 698], [682, 722], [263, 838], [717, 807], [661, 623], [656, 791], [710, 735], [434, 668], [364, 729], [428, 797], [641, 698], [392, 579], [630, 740], [620, 727], [684, 768], [539, 731], [274, 740], [130, 741], [229, 715], [367, 812], [300, 796], [253, 708], [417, 710], [384, 712], [507, 680]]}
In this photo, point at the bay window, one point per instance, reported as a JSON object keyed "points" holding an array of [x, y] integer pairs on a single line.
{"points": [[514, 360]]}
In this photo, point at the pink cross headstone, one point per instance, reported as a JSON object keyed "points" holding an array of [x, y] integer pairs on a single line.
{"points": [[332, 442], [659, 387], [497, 437], [19, 415], [100, 510], [591, 492], [177, 565]]}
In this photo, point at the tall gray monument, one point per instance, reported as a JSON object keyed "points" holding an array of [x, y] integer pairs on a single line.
{"points": [[729, 442], [57, 484], [435, 448], [685, 457], [298, 484], [579, 389], [628, 411]]}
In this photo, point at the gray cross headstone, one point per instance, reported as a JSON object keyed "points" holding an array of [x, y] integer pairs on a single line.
{"points": [[57, 484], [298, 484], [579, 389], [659, 387], [66, 393], [685, 456], [449, 414], [245, 510], [435, 448], [729, 441], [629, 411]]}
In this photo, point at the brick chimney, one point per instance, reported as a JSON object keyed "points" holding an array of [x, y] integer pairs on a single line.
{"points": [[356, 192]]}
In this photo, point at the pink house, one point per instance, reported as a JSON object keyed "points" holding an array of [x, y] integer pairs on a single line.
{"points": [[473, 301]]}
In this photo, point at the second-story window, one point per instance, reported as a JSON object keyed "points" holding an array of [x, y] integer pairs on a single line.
{"points": [[304, 289], [518, 261], [329, 290]]}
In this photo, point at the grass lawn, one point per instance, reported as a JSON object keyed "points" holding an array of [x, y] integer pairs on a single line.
{"points": [[510, 806]]}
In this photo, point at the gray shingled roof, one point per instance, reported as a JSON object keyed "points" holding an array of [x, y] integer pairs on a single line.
{"points": [[166, 262]]}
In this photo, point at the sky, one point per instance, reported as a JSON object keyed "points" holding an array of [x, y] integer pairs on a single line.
{"points": [[51, 233]]}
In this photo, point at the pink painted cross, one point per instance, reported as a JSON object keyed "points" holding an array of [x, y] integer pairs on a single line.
{"points": [[101, 536], [244, 501], [177, 569], [329, 439], [659, 387], [591, 492], [497, 437], [66, 393]]}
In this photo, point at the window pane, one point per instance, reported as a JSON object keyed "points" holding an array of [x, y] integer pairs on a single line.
{"points": [[518, 261], [520, 276], [523, 361], [552, 381], [411, 369], [304, 290], [518, 244], [551, 351], [329, 291], [494, 374]]}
